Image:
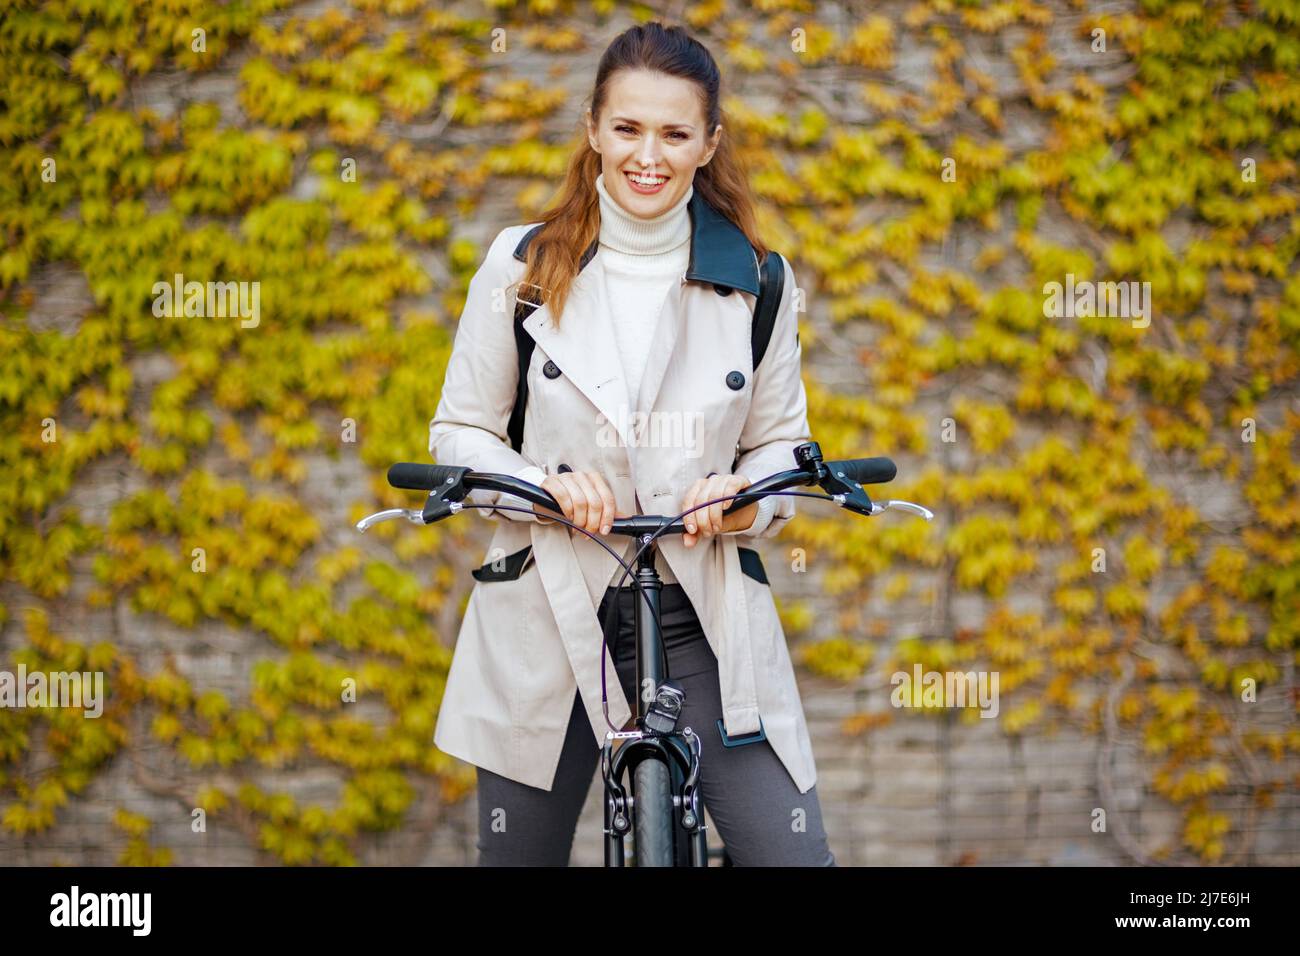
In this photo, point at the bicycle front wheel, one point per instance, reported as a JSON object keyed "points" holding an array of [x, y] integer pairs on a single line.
{"points": [[653, 813]]}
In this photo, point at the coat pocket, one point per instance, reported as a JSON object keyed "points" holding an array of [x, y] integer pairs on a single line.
{"points": [[751, 564], [508, 568]]}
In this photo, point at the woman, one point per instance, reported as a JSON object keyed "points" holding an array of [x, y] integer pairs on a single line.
{"points": [[648, 274]]}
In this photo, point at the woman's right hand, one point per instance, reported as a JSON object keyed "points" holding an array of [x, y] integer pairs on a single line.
{"points": [[585, 498]]}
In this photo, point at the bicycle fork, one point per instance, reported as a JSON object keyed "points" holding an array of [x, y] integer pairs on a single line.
{"points": [[681, 753]]}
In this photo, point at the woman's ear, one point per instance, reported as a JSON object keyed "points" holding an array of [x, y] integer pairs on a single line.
{"points": [[591, 132], [713, 146]]}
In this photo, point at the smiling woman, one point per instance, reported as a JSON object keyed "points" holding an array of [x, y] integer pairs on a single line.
{"points": [[655, 116], [653, 235], [648, 153]]}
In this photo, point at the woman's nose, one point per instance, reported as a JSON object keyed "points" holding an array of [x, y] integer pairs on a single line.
{"points": [[649, 154]]}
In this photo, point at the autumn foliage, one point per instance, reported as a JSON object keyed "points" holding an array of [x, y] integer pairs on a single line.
{"points": [[175, 462]]}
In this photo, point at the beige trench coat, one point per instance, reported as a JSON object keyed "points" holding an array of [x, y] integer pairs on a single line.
{"points": [[527, 641]]}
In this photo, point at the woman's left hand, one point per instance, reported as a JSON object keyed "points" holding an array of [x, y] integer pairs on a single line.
{"points": [[709, 521]]}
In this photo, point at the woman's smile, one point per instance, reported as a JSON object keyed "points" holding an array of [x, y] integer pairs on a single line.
{"points": [[646, 185]]}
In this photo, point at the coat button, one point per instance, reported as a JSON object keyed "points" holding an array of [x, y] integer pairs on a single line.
{"points": [[551, 370], [722, 289], [735, 380]]}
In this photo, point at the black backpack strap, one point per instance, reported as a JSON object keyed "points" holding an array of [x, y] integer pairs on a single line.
{"points": [[770, 287], [524, 346]]}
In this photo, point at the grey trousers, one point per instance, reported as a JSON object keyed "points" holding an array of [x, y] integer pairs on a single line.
{"points": [[759, 813]]}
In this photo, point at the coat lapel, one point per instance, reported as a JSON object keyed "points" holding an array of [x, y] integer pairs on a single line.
{"points": [[584, 348]]}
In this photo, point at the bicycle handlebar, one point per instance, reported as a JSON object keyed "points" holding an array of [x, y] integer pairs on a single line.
{"points": [[418, 477], [865, 471], [448, 484], [842, 480]]}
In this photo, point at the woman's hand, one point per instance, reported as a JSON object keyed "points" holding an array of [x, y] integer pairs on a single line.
{"points": [[585, 498], [709, 521]]}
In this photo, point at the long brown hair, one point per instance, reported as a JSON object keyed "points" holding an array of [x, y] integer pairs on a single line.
{"points": [[573, 223]]}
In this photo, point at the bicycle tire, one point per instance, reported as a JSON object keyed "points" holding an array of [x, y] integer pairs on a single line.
{"points": [[653, 813]]}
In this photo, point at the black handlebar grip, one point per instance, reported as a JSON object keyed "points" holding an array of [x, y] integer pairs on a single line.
{"points": [[865, 471], [407, 474]]}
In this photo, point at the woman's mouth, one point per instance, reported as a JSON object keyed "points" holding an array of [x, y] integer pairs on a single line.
{"points": [[646, 185]]}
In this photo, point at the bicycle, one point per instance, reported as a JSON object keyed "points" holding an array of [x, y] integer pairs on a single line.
{"points": [[663, 811]]}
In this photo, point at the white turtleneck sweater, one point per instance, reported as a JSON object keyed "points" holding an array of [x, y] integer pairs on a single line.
{"points": [[642, 259]]}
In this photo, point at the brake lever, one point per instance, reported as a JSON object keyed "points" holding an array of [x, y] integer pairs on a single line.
{"points": [[412, 515], [901, 505]]}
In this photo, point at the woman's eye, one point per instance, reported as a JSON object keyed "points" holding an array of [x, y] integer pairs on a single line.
{"points": [[619, 129]]}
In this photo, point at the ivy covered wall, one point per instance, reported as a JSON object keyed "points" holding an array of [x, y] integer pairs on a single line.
{"points": [[1118, 525]]}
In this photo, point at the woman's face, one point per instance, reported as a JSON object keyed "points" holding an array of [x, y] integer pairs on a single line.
{"points": [[652, 125]]}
